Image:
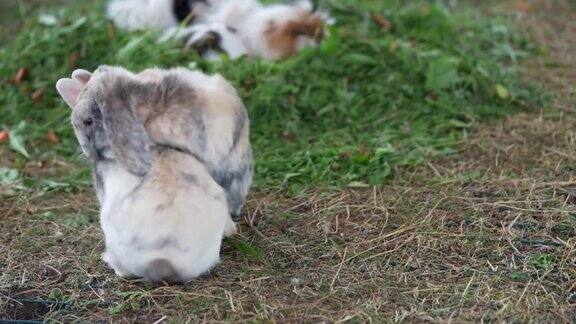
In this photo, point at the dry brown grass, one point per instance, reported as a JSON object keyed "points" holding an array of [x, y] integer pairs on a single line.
{"points": [[488, 234]]}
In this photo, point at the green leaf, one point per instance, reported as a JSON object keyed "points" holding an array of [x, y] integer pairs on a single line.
{"points": [[48, 216], [115, 310], [502, 92], [543, 261], [442, 73], [358, 184], [77, 221], [246, 248], [48, 184], [361, 158], [17, 139], [56, 293], [8, 176], [517, 275]]}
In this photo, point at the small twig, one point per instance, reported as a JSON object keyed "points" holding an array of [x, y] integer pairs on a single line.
{"points": [[339, 268], [468, 285], [540, 242], [523, 293]]}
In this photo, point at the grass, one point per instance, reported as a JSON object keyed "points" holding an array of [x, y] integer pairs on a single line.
{"points": [[471, 219], [350, 112]]}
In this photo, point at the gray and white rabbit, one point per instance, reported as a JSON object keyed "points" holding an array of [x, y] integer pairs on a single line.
{"points": [[194, 112], [162, 213]]}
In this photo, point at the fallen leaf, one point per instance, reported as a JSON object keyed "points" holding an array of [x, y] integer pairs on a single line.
{"points": [[17, 139], [363, 149], [393, 46], [523, 6], [358, 184], [38, 95], [249, 83], [381, 21], [52, 137], [4, 136], [432, 96], [344, 155], [290, 136], [73, 60], [335, 166], [20, 75]]}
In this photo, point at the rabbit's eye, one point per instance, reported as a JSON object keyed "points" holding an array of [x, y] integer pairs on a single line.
{"points": [[88, 122]]}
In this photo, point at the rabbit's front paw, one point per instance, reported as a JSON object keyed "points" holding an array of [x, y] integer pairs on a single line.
{"points": [[230, 228], [109, 259]]}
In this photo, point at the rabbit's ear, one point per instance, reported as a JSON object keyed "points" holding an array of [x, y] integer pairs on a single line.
{"points": [[69, 90], [81, 76], [125, 133]]}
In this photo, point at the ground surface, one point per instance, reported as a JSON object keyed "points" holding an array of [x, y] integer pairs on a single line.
{"points": [[487, 233]]}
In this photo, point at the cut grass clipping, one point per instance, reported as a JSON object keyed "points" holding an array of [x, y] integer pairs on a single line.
{"points": [[394, 83]]}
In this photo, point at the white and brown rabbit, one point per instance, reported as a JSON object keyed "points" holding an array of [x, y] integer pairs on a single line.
{"points": [[272, 31], [163, 215], [195, 113]]}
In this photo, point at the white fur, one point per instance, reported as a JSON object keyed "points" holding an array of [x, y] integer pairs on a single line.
{"points": [[252, 19], [142, 14], [175, 213], [230, 42], [221, 141], [138, 216]]}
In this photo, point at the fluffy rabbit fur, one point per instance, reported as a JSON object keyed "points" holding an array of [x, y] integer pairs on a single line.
{"points": [[190, 111], [267, 31], [153, 14], [163, 215], [209, 40], [271, 31]]}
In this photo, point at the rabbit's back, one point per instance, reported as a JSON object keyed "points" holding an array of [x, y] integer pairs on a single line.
{"points": [[193, 111], [169, 225], [204, 116]]}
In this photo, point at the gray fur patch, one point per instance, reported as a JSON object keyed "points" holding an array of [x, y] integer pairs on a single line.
{"points": [[98, 182], [239, 124], [189, 177], [236, 184], [126, 134], [161, 270], [159, 244], [172, 91], [194, 124]]}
